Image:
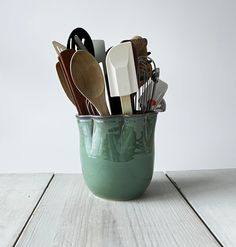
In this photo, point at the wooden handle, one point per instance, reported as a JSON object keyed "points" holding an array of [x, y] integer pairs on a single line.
{"points": [[78, 98], [102, 109], [64, 83], [126, 104]]}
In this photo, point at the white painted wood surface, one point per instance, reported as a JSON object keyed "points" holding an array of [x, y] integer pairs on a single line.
{"points": [[69, 215], [18, 196], [212, 193]]}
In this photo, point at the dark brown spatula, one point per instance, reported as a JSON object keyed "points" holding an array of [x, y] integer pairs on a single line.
{"points": [[78, 98], [91, 109], [62, 77], [64, 83], [139, 46]]}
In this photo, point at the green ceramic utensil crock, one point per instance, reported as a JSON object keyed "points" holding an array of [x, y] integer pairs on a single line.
{"points": [[117, 154]]}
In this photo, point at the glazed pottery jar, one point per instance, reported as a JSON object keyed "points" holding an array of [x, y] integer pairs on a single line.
{"points": [[117, 154]]}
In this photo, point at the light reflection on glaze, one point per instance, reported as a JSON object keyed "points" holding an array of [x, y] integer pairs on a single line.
{"points": [[117, 139]]}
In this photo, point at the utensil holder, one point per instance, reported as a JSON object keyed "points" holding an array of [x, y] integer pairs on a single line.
{"points": [[117, 154]]}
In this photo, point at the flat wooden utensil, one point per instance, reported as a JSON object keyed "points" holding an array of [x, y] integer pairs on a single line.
{"points": [[139, 46], [79, 99], [64, 83], [88, 78], [58, 47], [91, 109]]}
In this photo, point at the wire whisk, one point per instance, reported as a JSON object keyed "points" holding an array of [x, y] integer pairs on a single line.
{"points": [[148, 76]]}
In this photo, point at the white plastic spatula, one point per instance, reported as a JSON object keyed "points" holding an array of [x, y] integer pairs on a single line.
{"points": [[122, 74]]}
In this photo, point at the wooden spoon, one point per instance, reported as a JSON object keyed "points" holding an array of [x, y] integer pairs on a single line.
{"points": [[91, 109], [88, 78], [79, 100]]}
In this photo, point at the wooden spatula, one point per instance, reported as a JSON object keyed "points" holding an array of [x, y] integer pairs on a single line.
{"points": [[139, 46], [64, 82], [79, 99], [58, 47]]}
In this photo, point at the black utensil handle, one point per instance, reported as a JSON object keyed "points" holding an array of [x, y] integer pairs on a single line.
{"points": [[83, 35]]}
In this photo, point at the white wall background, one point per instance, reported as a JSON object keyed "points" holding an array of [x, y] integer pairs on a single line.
{"points": [[194, 43]]}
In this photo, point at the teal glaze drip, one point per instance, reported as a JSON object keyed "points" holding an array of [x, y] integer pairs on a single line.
{"points": [[117, 154]]}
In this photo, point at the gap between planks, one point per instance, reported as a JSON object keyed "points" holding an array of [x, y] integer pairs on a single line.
{"points": [[191, 206], [169, 178], [34, 209]]}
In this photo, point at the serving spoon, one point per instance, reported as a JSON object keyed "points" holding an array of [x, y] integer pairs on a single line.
{"points": [[88, 78]]}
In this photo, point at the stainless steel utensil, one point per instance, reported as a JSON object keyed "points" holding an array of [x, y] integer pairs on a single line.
{"points": [[100, 55], [153, 90]]}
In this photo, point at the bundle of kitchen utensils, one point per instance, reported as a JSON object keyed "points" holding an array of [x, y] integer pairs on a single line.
{"points": [[123, 79]]}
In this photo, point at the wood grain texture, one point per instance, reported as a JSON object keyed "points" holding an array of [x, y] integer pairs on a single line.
{"points": [[85, 71], [78, 98], [126, 104], [18, 196], [63, 82], [69, 215], [212, 193]]}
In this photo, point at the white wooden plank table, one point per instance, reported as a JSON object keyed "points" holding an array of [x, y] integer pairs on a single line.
{"points": [[68, 215], [212, 194], [19, 194], [62, 212]]}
